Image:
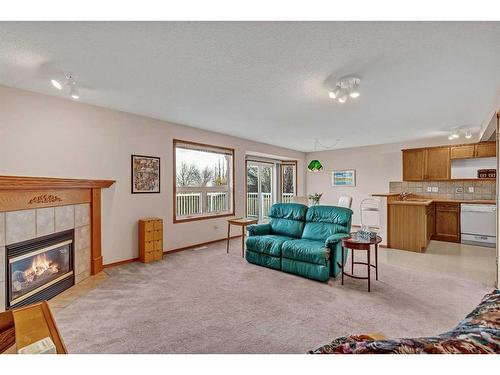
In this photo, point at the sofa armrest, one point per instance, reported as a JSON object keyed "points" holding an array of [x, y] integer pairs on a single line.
{"points": [[334, 238], [259, 229]]}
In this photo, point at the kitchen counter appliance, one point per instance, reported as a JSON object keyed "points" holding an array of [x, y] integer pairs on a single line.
{"points": [[478, 224]]}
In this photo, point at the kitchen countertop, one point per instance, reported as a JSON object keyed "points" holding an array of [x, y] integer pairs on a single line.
{"points": [[420, 201]]}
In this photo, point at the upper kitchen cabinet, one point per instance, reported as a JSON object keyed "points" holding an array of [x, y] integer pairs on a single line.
{"points": [[413, 164], [470, 151], [437, 163], [462, 152], [434, 163], [485, 150]]}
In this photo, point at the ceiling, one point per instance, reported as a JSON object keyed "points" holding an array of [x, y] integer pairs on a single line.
{"points": [[265, 81]]}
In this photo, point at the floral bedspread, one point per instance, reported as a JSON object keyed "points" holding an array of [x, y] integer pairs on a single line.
{"points": [[478, 333]]}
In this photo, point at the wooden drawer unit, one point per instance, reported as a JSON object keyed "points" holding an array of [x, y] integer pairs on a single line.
{"points": [[150, 239], [447, 222]]}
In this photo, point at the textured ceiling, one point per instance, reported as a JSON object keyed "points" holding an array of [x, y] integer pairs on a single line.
{"points": [[266, 81]]}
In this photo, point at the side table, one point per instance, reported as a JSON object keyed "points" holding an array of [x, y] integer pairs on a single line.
{"points": [[243, 223], [356, 244]]}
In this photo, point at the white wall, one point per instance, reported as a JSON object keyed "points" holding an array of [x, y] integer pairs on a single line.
{"points": [[45, 136], [375, 167]]}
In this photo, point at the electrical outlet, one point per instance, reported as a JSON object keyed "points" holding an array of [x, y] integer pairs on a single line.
{"points": [[435, 189], [429, 189], [471, 189]]}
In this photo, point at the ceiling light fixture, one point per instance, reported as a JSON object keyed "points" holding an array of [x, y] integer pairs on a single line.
{"points": [[346, 87], [457, 132], [67, 81]]}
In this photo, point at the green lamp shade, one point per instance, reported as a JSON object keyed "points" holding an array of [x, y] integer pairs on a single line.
{"points": [[315, 166]]}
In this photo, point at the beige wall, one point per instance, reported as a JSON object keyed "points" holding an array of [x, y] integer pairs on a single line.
{"points": [[375, 167], [45, 136]]}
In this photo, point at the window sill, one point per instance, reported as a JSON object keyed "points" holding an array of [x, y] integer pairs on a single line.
{"points": [[204, 217]]}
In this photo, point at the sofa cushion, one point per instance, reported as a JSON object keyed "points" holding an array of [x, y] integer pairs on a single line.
{"points": [[306, 251], [323, 221], [310, 270], [269, 244], [287, 219]]}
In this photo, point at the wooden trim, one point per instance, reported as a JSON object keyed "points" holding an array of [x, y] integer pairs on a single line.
{"points": [[174, 180], [49, 183], [289, 162], [12, 200], [95, 215], [450, 145], [126, 261], [119, 263]]}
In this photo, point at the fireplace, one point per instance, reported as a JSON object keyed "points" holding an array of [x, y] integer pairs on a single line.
{"points": [[39, 269]]}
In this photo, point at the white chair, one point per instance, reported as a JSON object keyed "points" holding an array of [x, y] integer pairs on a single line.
{"points": [[370, 214], [300, 199], [345, 201]]}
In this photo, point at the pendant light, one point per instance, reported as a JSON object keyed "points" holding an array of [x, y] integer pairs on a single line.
{"points": [[315, 165]]}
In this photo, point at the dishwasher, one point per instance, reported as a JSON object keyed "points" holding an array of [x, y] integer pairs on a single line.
{"points": [[478, 224]]}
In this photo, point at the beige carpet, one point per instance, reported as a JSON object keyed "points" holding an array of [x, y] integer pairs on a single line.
{"points": [[204, 301]]}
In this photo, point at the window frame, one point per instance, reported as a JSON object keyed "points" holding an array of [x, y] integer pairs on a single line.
{"points": [[293, 163], [232, 189]]}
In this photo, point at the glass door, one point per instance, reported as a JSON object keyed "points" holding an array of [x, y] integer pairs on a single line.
{"points": [[260, 192]]}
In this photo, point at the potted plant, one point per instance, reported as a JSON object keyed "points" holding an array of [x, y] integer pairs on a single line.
{"points": [[315, 198]]}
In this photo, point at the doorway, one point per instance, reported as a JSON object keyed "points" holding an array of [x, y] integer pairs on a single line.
{"points": [[260, 189]]}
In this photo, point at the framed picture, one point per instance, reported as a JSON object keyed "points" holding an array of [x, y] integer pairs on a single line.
{"points": [[344, 178], [145, 174]]}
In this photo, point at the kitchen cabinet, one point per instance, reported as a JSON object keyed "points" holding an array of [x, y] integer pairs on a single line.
{"points": [[447, 227], [430, 214], [462, 152], [485, 150], [413, 165], [437, 163], [434, 163]]}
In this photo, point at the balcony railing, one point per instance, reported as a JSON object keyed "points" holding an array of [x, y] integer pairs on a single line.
{"points": [[194, 201], [253, 205], [191, 201]]}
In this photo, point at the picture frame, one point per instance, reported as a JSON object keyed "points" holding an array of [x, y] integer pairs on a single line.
{"points": [[145, 174], [344, 178]]}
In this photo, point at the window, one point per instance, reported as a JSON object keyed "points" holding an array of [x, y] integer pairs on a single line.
{"points": [[288, 181], [204, 185]]}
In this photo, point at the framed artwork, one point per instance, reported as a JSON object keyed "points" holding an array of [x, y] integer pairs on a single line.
{"points": [[344, 178], [145, 174]]}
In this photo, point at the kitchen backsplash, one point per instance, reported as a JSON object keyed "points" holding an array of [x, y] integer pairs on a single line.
{"points": [[447, 189]]}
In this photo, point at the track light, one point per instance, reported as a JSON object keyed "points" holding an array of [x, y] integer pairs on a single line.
{"points": [[346, 87], [68, 81], [468, 134], [73, 92], [56, 84]]}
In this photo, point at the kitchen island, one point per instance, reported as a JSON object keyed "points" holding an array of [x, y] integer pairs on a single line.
{"points": [[412, 221]]}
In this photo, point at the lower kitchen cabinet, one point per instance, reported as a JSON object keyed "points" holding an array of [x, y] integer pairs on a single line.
{"points": [[447, 226]]}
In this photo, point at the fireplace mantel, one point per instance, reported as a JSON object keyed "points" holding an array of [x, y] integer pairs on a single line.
{"points": [[24, 193], [48, 183]]}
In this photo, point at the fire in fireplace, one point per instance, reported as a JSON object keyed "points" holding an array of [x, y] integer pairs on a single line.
{"points": [[39, 269]]}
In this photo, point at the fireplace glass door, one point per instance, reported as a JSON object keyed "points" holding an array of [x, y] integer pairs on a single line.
{"points": [[37, 270]]}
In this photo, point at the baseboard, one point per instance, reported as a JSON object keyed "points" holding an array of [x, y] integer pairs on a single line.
{"points": [[200, 244], [119, 263]]}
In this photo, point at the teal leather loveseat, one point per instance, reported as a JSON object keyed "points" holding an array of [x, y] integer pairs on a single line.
{"points": [[300, 240]]}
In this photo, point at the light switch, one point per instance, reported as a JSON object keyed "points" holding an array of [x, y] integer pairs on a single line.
{"points": [[435, 189], [429, 189], [471, 189]]}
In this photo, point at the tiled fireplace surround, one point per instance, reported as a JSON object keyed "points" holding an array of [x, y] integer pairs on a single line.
{"points": [[33, 207], [17, 226]]}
